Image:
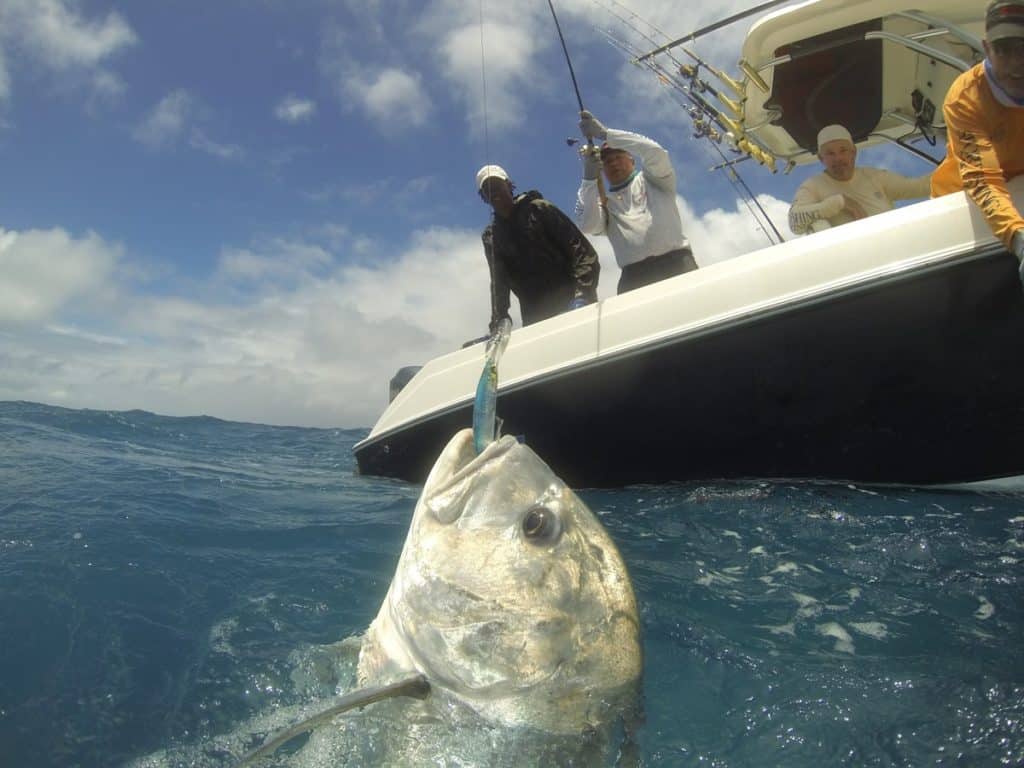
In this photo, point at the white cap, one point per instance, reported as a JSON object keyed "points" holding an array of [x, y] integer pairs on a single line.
{"points": [[833, 133], [490, 172]]}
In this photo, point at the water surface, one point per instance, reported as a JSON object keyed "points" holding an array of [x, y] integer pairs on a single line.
{"points": [[172, 589]]}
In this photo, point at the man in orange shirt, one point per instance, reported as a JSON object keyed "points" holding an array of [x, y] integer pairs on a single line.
{"points": [[984, 113]]}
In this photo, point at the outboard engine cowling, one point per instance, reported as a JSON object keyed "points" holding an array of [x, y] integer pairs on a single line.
{"points": [[400, 379]]}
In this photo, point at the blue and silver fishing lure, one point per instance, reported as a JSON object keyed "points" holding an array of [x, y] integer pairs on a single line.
{"points": [[486, 425]]}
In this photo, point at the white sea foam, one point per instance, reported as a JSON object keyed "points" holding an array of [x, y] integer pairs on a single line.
{"points": [[985, 610], [712, 577], [781, 629], [809, 606], [844, 642], [875, 629]]}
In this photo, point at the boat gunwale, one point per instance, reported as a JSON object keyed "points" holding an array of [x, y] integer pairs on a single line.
{"points": [[892, 273]]}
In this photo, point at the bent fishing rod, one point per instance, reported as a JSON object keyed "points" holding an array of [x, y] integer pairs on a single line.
{"points": [[711, 28], [700, 112], [579, 100]]}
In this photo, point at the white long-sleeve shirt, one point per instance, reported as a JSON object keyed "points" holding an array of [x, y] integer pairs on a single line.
{"points": [[822, 199], [643, 219]]}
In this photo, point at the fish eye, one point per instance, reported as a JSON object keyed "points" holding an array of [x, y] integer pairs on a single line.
{"points": [[541, 526]]}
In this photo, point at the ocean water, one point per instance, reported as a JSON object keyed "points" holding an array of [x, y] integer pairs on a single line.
{"points": [[173, 589]]}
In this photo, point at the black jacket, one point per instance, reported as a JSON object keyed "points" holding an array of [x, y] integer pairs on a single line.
{"points": [[542, 257]]}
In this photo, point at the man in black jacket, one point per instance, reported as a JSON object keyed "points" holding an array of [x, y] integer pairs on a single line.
{"points": [[535, 251]]}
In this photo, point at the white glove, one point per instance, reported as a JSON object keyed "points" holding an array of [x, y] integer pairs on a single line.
{"points": [[591, 157], [591, 127], [831, 205]]}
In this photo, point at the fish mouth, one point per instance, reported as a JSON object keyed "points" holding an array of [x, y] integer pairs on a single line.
{"points": [[455, 467]]}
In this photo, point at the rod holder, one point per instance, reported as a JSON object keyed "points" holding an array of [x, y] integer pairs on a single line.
{"points": [[753, 76]]}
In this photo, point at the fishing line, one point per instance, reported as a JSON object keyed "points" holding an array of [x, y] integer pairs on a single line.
{"points": [[748, 197], [483, 85], [745, 194], [565, 50], [717, 25], [601, 194]]}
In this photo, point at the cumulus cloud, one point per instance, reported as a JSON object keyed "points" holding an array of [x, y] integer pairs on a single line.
{"points": [[282, 332], [45, 270], [292, 109], [173, 119], [61, 37], [313, 346], [721, 234], [514, 49], [390, 97], [279, 259], [55, 35], [509, 67]]}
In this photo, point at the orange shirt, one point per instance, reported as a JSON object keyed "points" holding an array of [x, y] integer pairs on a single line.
{"points": [[984, 149]]}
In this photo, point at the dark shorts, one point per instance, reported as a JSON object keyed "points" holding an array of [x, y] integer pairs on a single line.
{"points": [[655, 268]]}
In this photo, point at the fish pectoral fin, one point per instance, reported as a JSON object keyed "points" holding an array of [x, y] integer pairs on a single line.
{"points": [[415, 687]]}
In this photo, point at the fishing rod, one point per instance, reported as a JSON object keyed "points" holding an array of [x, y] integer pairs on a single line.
{"points": [[711, 28], [696, 110], [699, 110], [579, 100], [701, 85]]}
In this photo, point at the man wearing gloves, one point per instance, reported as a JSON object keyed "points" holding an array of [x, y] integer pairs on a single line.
{"points": [[984, 113], [638, 212], [534, 251], [845, 193]]}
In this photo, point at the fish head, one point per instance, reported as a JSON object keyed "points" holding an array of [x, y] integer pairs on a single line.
{"points": [[509, 595]]}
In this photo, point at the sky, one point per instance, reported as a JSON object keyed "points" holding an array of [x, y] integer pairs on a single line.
{"points": [[259, 210]]}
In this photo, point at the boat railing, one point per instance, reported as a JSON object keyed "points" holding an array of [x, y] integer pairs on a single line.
{"points": [[943, 26], [911, 41]]}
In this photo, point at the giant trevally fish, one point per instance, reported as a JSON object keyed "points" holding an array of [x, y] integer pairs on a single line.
{"points": [[510, 600]]}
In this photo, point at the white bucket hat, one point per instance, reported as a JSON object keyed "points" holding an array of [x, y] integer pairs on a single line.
{"points": [[833, 132], [490, 172]]}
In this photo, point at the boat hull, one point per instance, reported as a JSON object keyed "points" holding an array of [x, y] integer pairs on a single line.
{"points": [[914, 379]]}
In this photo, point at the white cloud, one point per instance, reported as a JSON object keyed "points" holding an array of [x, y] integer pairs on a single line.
{"points": [[166, 122], [55, 35], [173, 119], [5, 80], [720, 234], [282, 260], [295, 110], [309, 344], [392, 98], [280, 333], [107, 85], [199, 140], [61, 37], [510, 66], [44, 270]]}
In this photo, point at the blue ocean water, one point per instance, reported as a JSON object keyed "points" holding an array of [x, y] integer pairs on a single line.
{"points": [[167, 581]]}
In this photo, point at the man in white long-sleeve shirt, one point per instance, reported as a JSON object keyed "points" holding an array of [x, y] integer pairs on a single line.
{"points": [[638, 212], [845, 193]]}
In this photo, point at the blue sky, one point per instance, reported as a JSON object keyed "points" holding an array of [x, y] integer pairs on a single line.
{"points": [[260, 209]]}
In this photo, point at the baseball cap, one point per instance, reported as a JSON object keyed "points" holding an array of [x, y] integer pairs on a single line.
{"points": [[489, 172], [1004, 19], [833, 132], [606, 150]]}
